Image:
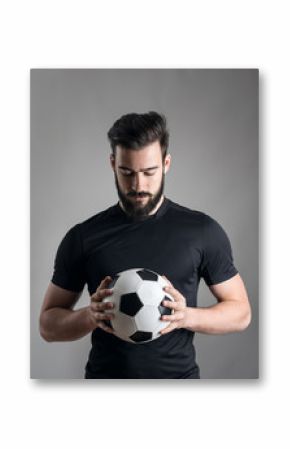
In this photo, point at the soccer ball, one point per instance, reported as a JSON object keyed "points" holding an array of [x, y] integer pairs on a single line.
{"points": [[137, 295]]}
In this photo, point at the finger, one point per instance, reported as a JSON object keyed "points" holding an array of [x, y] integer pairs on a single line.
{"points": [[102, 316], [168, 329], [101, 306], [104, 283], [101, 294], [164, 277], [106, 328], [175, 293], [175, 317], [173, 305]]}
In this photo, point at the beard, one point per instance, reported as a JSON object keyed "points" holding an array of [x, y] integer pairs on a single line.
{"points": [[135, 210]]}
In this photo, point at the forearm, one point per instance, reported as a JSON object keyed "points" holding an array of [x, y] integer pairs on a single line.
{"points": [[59, 324], [222, 318]]}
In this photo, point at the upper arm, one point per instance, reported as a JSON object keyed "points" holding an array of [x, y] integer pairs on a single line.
{"points": [[232, 289], [69, 264], [56, 296], [217, 263]]}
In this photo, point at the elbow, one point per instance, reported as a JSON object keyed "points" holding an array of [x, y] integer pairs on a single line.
{"points": [[43, 329], [245, 320], [45, 336]]}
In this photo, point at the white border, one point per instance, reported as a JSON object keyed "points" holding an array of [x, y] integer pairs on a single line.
{"points": [[83, 34]]}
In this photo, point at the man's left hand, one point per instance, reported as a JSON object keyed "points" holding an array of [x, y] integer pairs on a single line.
{"points": [[179, 316]]}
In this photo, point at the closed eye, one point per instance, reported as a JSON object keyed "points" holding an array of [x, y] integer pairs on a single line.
{"points": [[146, 173]]}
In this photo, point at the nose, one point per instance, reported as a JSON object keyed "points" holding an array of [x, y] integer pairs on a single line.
{"points": [[137, 182]]}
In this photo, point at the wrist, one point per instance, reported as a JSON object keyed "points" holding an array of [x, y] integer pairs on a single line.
{"points": [[91, 322], [190, 319]]}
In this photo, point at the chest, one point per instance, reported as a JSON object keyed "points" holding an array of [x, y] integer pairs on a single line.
{"points": [[168, 251]]}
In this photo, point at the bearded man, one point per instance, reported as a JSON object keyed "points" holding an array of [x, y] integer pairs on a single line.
{"points": [[144, 229]]}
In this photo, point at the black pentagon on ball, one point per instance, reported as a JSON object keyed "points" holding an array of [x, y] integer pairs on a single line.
{"points": [[147, 275], [164, 310], [113, 281], [141, 336], [130, 304]]}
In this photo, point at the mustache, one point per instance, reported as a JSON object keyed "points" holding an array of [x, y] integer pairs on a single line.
{"points": [[138, 195]]}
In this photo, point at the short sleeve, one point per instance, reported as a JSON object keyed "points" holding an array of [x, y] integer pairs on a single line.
{"points": [[68, 264], [217, 260]]}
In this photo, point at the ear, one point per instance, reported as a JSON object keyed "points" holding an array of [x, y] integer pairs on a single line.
{"points": [[167, 163], [112, 161]]}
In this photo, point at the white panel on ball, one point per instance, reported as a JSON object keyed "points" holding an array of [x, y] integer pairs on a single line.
{"points": [[137, 295]]}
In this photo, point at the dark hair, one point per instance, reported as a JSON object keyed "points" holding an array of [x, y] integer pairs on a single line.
{"points": [[134, 131]]}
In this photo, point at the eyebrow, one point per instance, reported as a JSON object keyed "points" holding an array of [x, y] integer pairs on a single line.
{"points": [[142, 169]]}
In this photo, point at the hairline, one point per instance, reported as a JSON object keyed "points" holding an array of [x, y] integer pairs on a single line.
{"points": [[163, 150]]}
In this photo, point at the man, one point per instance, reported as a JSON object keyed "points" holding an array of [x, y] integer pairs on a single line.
{"points": [[144, 229]]}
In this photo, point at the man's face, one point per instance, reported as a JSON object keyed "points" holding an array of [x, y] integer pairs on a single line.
{"points": [[139, 178]]}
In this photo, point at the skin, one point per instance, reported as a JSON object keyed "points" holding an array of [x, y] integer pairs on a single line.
{"points": [[135, 176], [232, 313], [138, 174]]}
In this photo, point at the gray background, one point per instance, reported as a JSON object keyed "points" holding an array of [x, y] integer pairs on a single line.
{"points": [[213, 121]]}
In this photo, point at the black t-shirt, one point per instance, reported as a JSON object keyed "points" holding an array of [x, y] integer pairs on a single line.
{"points": [[183, 244]]}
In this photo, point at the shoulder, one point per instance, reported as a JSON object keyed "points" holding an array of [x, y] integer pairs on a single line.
{"points": [[208, 228], [99, 219], [99, 216], [186, 212], [76, 231]]}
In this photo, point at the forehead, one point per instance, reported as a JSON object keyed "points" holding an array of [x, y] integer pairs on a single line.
{"points": [[148, 156]]}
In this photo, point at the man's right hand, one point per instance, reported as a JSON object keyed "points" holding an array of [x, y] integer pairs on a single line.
{"points": [[102, 311]]}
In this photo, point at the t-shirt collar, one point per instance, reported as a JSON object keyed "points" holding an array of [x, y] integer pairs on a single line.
{"points": [[160, 211]]}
